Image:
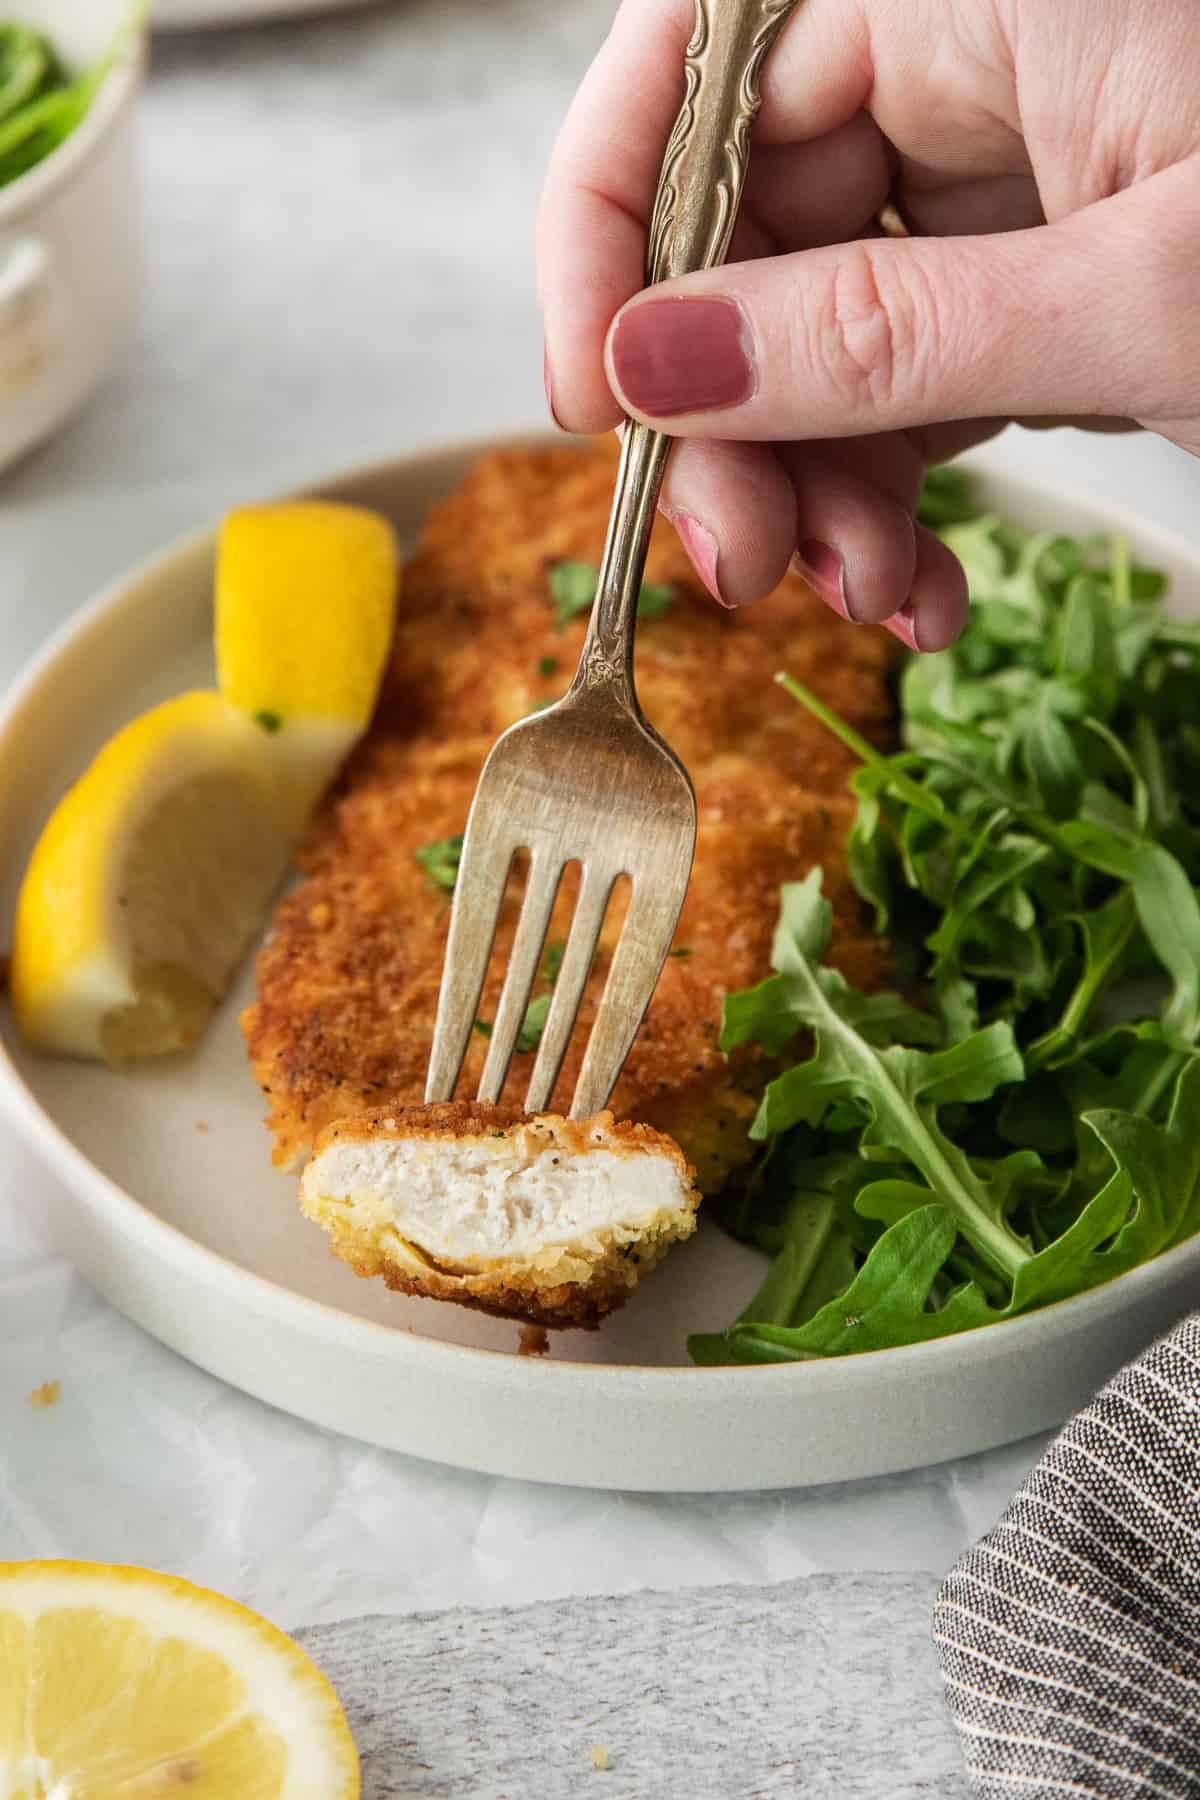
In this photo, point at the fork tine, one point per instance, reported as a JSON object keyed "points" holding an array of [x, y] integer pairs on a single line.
{"points": [[637, 963], [482, 878], [594, 895], [541, 887]]}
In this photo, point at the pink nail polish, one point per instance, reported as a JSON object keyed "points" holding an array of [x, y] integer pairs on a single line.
{"points": [[682, 356], [903, 625], [824, 570], [702, 549]]}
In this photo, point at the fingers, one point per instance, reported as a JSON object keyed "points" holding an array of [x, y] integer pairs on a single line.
{"points": [[855, 543], [895, 333], [735, 511], [840, 513], [818, 192], [591, 230], [936, 609], [592, 222]]}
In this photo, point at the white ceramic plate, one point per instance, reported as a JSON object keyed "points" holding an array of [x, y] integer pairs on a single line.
{"points": [[171, 15], [167, 1199]]}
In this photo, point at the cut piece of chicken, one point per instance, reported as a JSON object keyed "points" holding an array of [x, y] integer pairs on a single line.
{"points": [[543, 1219]]}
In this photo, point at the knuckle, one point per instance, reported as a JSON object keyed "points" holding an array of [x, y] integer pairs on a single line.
{"points": [[879, 327]]}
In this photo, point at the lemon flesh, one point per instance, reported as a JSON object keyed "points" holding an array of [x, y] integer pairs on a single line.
{"points": [[148, 883], [121, 1684]]}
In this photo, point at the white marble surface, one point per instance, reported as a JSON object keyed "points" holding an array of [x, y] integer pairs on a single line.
{"points": [[340, 266]]}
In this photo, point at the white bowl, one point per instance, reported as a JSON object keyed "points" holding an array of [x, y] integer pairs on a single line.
{"points": [[196, 1237], [70, 255], [188, 15]]}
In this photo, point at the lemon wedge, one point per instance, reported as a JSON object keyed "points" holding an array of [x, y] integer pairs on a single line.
{"points": [[147, 884], [306, 594], [116, 1682], [154, 872]]}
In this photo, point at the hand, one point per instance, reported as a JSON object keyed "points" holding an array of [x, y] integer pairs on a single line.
{"points": [[1047, 155]]}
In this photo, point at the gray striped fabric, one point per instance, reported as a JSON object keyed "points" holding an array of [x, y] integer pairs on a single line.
{"points": [[1069, 1637]]}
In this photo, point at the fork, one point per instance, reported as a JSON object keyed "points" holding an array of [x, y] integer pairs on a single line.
{"points": [[589, 780]]}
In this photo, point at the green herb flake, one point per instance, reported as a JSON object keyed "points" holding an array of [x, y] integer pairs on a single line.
{"points": [[573, 589], [270, 721], [547, 666], [440, 861]]}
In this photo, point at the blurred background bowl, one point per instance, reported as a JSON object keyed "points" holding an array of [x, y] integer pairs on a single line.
{"points": [[184, 14], [70, 252]]}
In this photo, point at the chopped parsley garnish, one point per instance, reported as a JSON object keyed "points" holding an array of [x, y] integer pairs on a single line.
{"points": [[655, 599], [534, 1023], [573, 587], [537, 1012], [682, 951], [270, 721], [547, 667], [440, 861]]}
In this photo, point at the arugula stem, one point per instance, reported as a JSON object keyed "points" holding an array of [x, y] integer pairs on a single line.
{"points": [[1120, 572], [998, 1246], [808, 1222], [917, 796], [1095, 977]]}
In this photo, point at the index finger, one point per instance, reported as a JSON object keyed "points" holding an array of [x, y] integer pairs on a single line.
{"points": [[599, 190], [595, 209]]}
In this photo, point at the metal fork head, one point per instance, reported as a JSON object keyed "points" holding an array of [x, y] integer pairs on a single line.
{"points": [[588, 782]]}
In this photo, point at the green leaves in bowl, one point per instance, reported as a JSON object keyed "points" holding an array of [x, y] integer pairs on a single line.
{"points": [[40, 102], [1019, 1126]]}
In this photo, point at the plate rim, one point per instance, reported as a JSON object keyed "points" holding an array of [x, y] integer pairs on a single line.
{"points": [[268, 1298]]}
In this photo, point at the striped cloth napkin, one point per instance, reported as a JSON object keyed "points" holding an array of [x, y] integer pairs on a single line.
{"points": [[1069, 1637]]}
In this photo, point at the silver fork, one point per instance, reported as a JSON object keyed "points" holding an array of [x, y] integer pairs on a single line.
{"points": [[590, 781]]}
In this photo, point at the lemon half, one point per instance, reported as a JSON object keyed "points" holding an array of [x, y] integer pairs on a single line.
{"points": [[155, 871], [121, 1684]]}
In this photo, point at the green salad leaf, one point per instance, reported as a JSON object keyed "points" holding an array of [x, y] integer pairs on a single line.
{"points": [[1018, 1126], [573, 588]]}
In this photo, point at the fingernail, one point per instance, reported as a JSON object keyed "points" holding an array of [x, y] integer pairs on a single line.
{"points": [[824, 570], [549, 387], [701, 547], [681, 356], [903, 625]]}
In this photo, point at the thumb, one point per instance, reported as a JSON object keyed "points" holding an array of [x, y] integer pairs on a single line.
{"points": [[1094, 314]]}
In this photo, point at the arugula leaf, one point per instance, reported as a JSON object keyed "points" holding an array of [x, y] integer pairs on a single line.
{"points": [[1170, 916], [1019, 1134], [573, 587], [440, 861], [887, 1303]]}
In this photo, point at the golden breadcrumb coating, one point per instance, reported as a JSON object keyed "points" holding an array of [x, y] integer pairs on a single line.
{"points": [[563, 1279], [348, 982]]}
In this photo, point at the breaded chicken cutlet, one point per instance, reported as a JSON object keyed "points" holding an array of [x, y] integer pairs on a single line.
{"points": [[348, 982], [536, 1218]]}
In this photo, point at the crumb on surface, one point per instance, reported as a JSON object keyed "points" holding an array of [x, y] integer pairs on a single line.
{"points": [[534, 1341], [599, 1756], [201, 1127], [49, 1394]]}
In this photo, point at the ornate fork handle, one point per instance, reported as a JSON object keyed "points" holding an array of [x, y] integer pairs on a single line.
{"points": [[699, 189]]}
